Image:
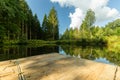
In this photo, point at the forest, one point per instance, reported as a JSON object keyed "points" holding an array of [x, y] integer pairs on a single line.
{"points": [[89, 33], [19, 25]]}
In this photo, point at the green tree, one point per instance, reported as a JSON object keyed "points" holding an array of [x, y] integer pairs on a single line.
{"points": [[17, 21], [71, 31], [45, 28], [87, 23], [84, 30], [90, 18], [9, 9], [112, 28], [37, 30], [53, 24], [66, 35]]}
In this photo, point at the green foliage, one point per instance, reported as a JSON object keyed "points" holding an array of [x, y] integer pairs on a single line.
{"points": [[45, 27], [89, 18], [114, 24], [113, 28], [2, 33], [93, 53], [53, 24], [18, 23], [90, 35], [22, 40], [66, 36], [36, 30], [50, 26], [87, 24], [85, 31]]}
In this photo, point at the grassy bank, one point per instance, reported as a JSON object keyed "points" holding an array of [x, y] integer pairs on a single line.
{"points": [[111, 41], [26, 42], [82, 42]]}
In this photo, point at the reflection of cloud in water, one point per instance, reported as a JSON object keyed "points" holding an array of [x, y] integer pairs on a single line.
{"points": [[103, 60], [61, 51]]}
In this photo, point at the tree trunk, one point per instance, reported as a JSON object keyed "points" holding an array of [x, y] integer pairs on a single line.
{"points": [[8, 37], [30, 33], [26, 31]]}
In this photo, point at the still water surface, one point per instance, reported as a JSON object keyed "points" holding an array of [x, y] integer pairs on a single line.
{"points": [[99, 54]]}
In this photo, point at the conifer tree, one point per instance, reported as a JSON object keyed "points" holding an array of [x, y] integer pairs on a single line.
{"points": [[53, 24]]}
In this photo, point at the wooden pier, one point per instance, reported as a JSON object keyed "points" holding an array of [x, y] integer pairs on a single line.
{"points": [[57, 67]]}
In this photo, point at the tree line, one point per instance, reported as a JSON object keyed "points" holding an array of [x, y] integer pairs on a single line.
{"points": [[17, 22], [50, 26], [88, 31]]}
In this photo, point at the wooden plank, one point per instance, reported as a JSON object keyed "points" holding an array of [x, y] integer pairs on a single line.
{"points": [[58, 67]]}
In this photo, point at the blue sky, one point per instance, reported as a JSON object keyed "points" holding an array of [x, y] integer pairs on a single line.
{"points": [[72, 12]]}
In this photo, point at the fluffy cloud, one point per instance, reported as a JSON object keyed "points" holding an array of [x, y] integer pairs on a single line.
{"points": [[76, 18], [102, 11]]}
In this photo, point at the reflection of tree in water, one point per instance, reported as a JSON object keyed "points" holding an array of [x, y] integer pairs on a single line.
{"points": [[13, 52], [92, 53]]}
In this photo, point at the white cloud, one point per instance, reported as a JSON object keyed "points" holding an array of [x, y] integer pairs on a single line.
{"points": [[102, 11], [76, 18]]}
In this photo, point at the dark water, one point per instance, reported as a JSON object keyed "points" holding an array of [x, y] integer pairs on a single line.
{"points": [[99, 54], [15, 52]]}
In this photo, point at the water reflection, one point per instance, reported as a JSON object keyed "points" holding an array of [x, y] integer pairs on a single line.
{"points": [[99, 54], [14, 52]]}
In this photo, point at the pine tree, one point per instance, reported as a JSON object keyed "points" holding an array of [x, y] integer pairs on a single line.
{"points": [[45, 27], [17, 20], [37, 28], [53, 24]]}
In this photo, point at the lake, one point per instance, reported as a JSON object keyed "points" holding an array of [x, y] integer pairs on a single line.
{"points": [[98, 54]]}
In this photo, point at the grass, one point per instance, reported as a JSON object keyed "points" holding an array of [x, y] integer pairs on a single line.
{"points": [[82, 42]]}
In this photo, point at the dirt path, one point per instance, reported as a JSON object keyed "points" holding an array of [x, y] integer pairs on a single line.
{"points": [[57, 67]]}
